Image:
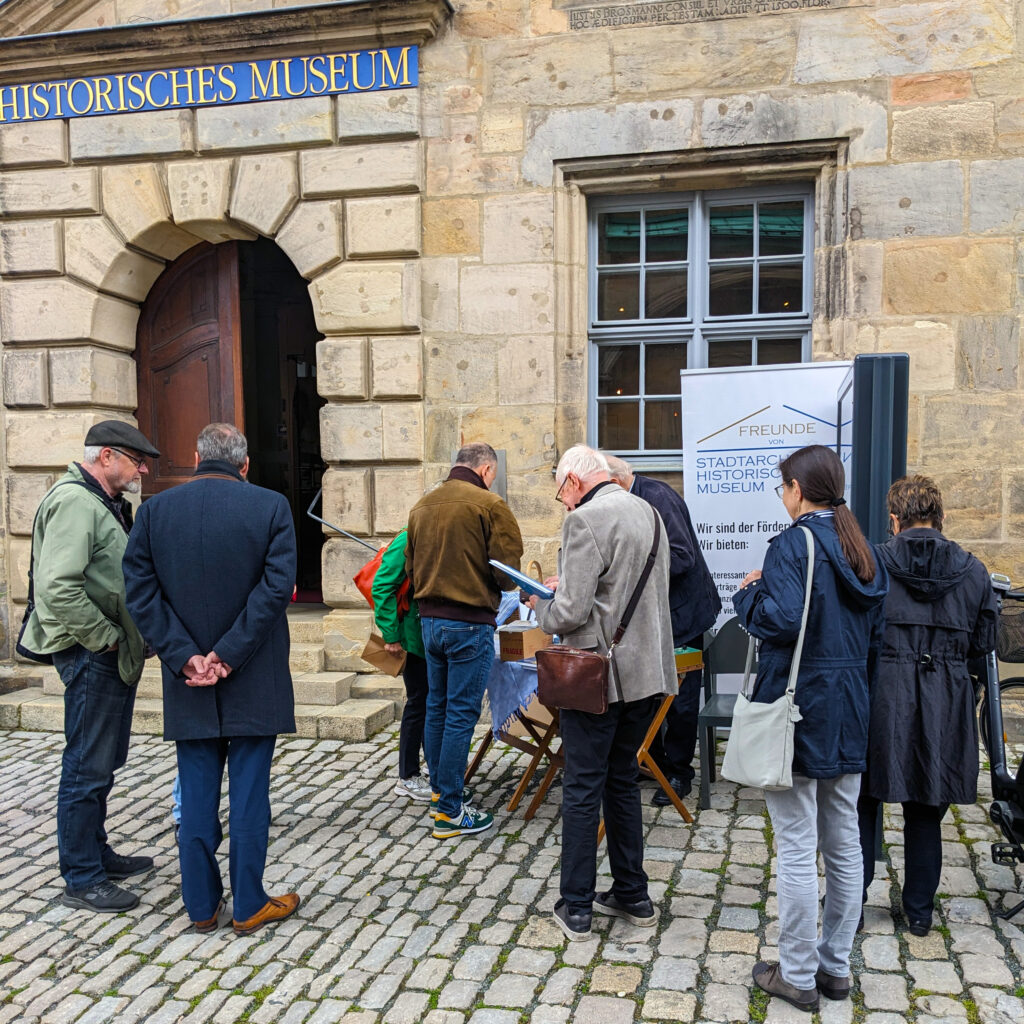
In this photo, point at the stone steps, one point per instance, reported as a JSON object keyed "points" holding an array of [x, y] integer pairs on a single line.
{"points": [[324, 688], [306, 623], [306, 658], [380, 687], [353, 719]]}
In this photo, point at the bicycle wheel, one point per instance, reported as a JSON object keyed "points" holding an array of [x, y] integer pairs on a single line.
{"points": [[1011, 699]]}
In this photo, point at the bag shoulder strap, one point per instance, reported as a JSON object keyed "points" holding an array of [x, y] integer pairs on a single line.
{"points": [[794, 667], [638, 590]]}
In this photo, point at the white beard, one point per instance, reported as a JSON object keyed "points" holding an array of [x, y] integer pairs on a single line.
{"points": [[134, 486]]}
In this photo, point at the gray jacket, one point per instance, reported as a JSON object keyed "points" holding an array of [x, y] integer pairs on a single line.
{"points": [[605, 544]]}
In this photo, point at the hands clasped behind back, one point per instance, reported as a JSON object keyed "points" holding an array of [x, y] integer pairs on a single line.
{"points": [[205, 670]]}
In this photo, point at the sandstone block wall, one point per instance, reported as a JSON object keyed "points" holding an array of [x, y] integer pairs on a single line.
{"points": [[443, 233]]}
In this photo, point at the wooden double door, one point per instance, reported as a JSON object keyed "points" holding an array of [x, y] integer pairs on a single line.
{"points": [[227, 335]]}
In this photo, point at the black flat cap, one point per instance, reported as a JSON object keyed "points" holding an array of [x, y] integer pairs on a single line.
{"points": [[118, 434]]}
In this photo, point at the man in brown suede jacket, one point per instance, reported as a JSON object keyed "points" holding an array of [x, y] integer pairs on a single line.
{"points": [[453, 533]]}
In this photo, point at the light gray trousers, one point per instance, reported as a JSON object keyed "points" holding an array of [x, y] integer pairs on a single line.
{"points": [[817, 814]]}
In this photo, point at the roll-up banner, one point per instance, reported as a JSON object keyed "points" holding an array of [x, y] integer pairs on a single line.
{"points": [[738, 423]]}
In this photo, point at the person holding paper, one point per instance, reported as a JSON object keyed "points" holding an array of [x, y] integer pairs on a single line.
{"points": [[454, 531], [400, 629], [607, 539]]}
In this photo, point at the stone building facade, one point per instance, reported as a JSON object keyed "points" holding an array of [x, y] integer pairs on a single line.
{"points": [[448, 233]]}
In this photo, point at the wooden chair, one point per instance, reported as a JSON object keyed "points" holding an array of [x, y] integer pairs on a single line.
{"points": [[725, 654]]}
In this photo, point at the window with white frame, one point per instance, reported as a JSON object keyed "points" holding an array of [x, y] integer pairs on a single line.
{"points": [[691, 280]]}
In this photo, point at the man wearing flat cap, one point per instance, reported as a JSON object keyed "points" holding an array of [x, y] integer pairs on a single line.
{"points": [[79, 618]]}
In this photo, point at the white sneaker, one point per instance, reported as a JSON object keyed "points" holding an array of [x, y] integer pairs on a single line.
{"points": [[415, 788]]}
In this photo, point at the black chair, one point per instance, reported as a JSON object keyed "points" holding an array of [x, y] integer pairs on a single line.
{"points": [[725, 654]]}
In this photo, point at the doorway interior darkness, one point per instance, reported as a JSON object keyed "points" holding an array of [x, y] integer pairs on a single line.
{"points": [[282, 405], [227, 334]]}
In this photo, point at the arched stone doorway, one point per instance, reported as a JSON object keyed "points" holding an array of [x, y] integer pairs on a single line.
{"points": [[227, 333]]}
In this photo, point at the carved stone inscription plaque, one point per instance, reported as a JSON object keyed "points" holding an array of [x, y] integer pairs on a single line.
{"points": [[679, 12]]}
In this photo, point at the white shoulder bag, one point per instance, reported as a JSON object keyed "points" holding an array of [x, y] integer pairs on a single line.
{"points": [[760, 748]]}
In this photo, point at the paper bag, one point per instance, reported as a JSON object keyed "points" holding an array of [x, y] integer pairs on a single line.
{"points": [[381, 659]]}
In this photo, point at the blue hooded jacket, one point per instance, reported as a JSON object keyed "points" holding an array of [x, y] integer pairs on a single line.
{"points": [[844, 635]]}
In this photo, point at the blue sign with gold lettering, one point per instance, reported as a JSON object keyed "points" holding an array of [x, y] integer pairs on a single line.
{"points": [[211, 85]]}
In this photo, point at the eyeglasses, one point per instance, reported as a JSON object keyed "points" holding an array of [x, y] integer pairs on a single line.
{"points": [[780, 488], [558, 493], [136, 462]]}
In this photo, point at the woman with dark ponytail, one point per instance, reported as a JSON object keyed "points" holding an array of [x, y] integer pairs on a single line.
{"points": [[844, 628]]}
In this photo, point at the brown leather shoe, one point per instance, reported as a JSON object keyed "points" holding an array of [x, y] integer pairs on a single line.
{"points": [[832, 987], [275, 909], [210, 924], [769, 977]]}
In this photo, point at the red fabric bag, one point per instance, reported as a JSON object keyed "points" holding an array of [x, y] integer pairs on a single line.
{"points": [[365, 577]]}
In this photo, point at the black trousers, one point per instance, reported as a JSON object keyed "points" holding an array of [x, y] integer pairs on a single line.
{"points": [[922, 852], [410, 735], [601, 773], [674, 746]]}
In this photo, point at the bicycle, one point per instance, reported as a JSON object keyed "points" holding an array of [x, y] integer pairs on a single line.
{"points": [[1001, 721]]}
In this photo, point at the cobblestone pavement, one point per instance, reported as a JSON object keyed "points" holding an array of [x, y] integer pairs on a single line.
{"points": [[396, 927]]}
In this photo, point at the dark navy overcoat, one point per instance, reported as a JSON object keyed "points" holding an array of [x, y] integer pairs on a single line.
{"points": [[210, 566], [841, 646], [692, 595]]}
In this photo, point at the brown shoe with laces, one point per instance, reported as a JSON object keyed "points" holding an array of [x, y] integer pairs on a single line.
{"points": [[769, 977], [210, 924], [832, 987], [275, 909]]}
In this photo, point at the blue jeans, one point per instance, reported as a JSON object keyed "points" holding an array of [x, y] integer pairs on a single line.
{"points": [[176, 799], [201, 769], [97, 727], [459, 658]]}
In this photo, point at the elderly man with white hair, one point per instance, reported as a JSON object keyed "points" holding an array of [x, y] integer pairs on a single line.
{"points": [[607, 539]]}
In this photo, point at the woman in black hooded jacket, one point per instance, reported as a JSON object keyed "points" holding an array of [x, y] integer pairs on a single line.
{"points": [[923, 733]]}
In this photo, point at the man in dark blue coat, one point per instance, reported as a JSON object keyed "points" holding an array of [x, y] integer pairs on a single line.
{"points": [[694, 604], [209, 572]]}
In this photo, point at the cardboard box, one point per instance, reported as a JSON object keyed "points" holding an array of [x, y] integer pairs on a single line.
{"points": [[688, 659], [519, 640]]}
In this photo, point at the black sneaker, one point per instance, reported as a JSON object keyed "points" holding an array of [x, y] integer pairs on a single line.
{"points": [[103, 898], [682, 789], [575, 926], [919, 928], [641, 913], [117, 866]]}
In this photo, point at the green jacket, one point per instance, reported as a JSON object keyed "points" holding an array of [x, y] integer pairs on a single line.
{"points": [[395, 630], [78, 586]]}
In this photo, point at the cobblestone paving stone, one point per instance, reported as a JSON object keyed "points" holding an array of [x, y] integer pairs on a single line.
{"points": [[398, 928]]}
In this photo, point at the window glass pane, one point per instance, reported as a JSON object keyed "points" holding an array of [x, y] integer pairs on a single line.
{"points": [[662, 364], [663, 427], [730, 353], [618, 296], [618, 370], [618, 425], [780, 228], [665, 294], [731, 291], [618, 237], [779, 350], [732, 232], [667, 235], [780, 288]]}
